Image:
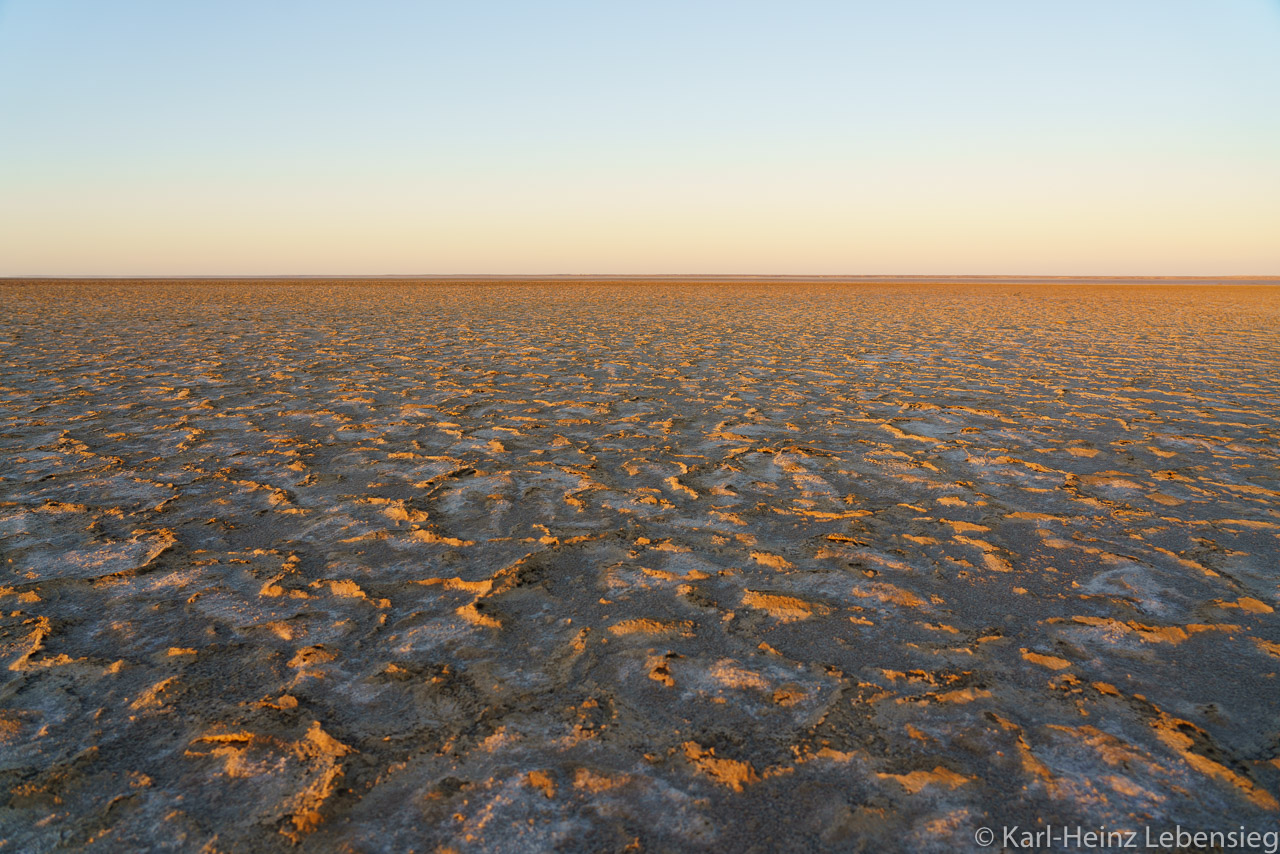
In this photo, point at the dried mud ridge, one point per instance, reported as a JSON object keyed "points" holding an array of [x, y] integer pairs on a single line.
{"points": [[393, 567]]}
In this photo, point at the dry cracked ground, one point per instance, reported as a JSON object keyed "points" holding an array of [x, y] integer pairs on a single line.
{"points": [[397, 566]]}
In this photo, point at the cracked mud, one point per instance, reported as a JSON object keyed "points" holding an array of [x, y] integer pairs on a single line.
{"points": [[396, 566]]}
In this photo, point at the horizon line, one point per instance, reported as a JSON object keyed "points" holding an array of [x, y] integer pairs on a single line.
{"points": [[866, 277]]}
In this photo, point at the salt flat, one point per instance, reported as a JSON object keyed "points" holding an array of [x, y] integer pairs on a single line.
{"points": [[592, 566]]}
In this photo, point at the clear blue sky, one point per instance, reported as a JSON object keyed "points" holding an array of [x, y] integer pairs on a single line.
{"points": [[1090, 137]]}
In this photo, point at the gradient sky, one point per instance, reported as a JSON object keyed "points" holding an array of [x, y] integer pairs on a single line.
{"points": [[1090, 137]]}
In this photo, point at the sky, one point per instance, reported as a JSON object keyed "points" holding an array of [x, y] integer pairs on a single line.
{"points": [[928, 137]]}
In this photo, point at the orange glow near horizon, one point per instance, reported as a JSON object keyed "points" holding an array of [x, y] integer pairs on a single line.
{"points": [[986, 139]]}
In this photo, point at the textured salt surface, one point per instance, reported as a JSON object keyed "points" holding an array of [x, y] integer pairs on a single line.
{"points": [[397, 566]]}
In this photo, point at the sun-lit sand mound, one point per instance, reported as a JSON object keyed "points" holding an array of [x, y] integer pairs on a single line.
{"points": [[634, 566]]}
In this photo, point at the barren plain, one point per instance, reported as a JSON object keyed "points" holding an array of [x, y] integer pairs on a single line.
{"points": [[660, 566]]}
